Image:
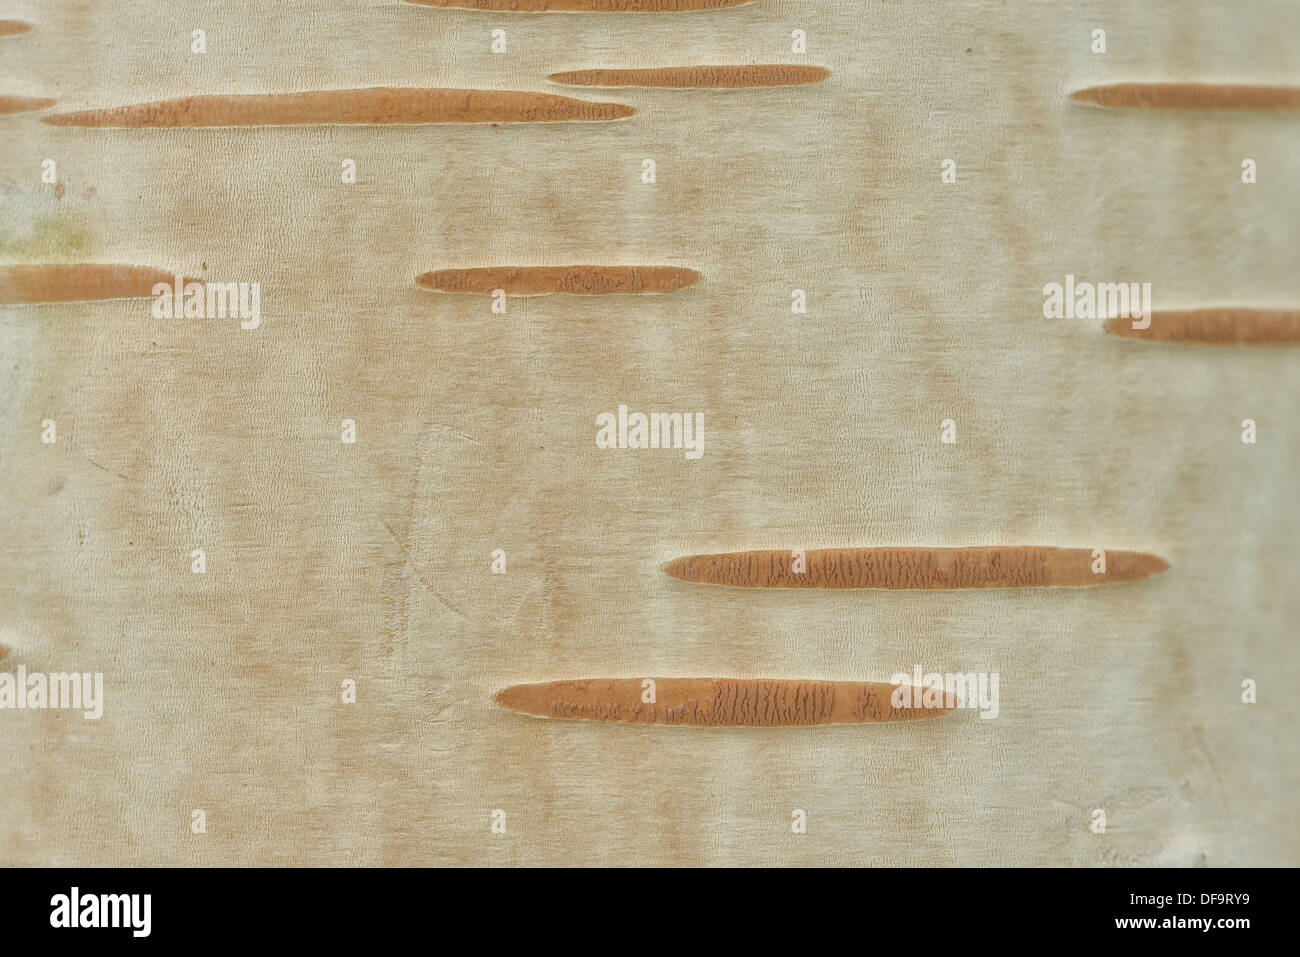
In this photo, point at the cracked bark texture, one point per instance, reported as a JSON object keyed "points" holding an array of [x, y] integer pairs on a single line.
{"points": [[379, 106], [1216, 327], [79, 282], [697, 77], [554, 280], [23, 104], [717, 702], [941, 568], [1191, 96]]}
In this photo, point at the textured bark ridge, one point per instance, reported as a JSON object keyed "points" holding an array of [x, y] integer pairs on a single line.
{"points": [[571, 280], [718, 702], [13, 28], [23, 104], [79, 282], [377, 106], [984, 567], [1220, 327], [596, 6], [700, 77], [1191, 96]]}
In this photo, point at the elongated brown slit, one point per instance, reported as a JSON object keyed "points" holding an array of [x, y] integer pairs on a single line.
{"points": [[1029, 566], [23, 104], [77, 282], [593, 6], [570, 280], [697, 77], [14, 28], [377, 106], [1191, 96], [725, 702], [1220, 327]]}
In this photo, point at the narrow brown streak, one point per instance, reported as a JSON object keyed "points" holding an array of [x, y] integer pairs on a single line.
{"points": [[79, 282], [376, 106], [23, 104], [14, 28], [697, 77], [593, 6], [1191, 96], [1029, 566], [723, 702], [548, 280], [1219, 327]]}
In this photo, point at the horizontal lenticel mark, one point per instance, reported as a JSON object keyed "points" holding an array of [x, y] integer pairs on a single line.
{"points": [[1224, 327], [593, 6], [377, 106], [13, 28], [721, 702], [23, 104], [697, 77], [78, 282], [570, 280], [930, 568], [1191, 96]]}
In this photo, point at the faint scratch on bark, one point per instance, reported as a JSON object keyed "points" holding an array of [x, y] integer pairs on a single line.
{"points": [[125, 478], [410, 566], [448, 430]]}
